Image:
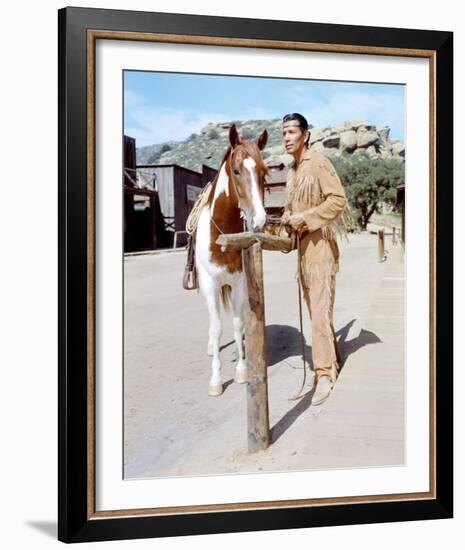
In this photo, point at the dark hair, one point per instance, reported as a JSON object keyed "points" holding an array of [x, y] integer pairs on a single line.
{"points": [[300, 119], [303, 124]]}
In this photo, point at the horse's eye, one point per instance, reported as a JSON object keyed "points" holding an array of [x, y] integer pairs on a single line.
{"points": [[236, 172]]}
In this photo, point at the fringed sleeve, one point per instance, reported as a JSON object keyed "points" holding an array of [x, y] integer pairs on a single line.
{"points": [[332, 215]]}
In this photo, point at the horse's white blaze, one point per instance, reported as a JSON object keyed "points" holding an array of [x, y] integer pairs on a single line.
{"points": [[259, 215]]}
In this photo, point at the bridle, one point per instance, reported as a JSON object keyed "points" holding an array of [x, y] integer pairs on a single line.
{"points": [[233, 182], [234, 186]]}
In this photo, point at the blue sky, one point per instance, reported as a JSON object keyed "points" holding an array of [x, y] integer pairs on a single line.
{"points": [[160, 107]]}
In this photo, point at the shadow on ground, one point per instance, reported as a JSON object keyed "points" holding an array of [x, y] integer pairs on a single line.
{"points": [[284, 341]]}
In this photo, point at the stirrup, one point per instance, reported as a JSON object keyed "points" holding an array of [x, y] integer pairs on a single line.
{"points": [[189, 281]]}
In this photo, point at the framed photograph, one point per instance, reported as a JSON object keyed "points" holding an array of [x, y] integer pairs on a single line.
{"points": [[255, 274]]}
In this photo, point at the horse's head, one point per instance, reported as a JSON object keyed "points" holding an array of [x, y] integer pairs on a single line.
{"points": [[247, 171]]}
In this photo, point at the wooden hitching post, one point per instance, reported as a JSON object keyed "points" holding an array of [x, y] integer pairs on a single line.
{"points": [[381, 254], [258, 427], [251, 244]]}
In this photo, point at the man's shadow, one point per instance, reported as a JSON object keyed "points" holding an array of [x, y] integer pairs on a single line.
{"points": [[284, 341]]}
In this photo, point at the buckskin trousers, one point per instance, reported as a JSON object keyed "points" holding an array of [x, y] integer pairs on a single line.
{"points": [[319, 288]]}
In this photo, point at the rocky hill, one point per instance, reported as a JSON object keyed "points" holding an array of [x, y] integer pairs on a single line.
{"points": [[145, 155], [353, 137]]}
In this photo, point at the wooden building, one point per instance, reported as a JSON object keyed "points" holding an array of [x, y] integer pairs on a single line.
{"points": [[140, 205], [158, 199], [275, 190], [177, 189]]}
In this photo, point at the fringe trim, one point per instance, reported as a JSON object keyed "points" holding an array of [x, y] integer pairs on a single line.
{"points": [[320, 270], [306, 191], [339, 227], [324, 273]]}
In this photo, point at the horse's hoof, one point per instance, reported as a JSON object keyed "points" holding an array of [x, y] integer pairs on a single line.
{"points": [[215, 389], [240, 376]]}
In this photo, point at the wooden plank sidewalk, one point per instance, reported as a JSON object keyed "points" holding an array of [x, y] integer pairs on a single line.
{"points": [[363, 419]]}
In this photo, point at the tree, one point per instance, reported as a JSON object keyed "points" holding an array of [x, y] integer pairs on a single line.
{"points": [[164, 149], [369, 183]]}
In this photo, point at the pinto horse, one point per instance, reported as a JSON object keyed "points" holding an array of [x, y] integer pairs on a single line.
{"points": [[236, 196]]}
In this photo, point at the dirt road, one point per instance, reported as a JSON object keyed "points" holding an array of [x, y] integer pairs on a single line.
{"points": [[173, 428]]}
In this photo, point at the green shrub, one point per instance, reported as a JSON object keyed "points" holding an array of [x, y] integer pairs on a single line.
{"points": [[369, 183]]}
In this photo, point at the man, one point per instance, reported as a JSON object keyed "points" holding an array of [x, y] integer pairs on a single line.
{"points": [[316, 208]]}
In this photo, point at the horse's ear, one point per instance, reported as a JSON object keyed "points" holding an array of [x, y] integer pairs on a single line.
{"points": [[261, 142], [233, 136]]}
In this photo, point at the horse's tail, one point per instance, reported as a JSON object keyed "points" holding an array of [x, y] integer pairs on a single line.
{"points": [[226, 296]]}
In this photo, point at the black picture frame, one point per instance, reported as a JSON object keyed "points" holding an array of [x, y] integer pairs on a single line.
{"points": [[77, 522]]}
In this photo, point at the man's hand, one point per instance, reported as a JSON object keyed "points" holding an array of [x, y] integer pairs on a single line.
{"points": [[296, 220], [285, 217]]}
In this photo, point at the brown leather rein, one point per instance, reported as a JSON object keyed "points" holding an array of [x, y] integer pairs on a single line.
{"points": [[295, 236]]}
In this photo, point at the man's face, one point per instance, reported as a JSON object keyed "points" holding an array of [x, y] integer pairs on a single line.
{"points": [[293, 137]]}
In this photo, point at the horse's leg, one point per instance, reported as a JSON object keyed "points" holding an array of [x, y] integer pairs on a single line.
{"points": [[202, 255], [237, 299], [210, 345], [213, 324], [212, 297]]}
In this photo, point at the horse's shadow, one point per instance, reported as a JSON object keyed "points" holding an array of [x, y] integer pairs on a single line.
{"points": [[284, 341]]}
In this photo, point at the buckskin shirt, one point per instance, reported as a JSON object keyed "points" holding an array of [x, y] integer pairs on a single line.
{"points": [[314, 189]]}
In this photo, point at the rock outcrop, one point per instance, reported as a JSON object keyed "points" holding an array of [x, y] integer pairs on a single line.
{"points": [[352, 137]]}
